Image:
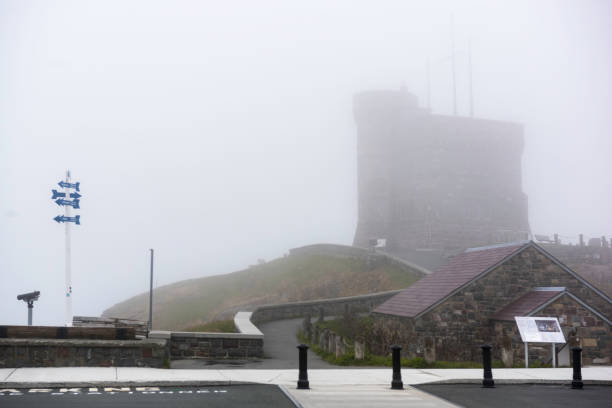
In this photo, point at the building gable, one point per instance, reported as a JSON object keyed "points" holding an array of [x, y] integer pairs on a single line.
{"points": [[438, 286], [494, 276]]}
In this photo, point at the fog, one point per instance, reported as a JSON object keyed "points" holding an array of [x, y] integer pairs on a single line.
{"points": [[219, 133]]}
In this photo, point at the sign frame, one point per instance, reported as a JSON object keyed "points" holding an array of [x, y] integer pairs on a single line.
{"points": [[540, 330]]}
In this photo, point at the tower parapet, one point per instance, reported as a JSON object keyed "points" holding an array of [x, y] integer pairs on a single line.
{"points": [[434, 183]]}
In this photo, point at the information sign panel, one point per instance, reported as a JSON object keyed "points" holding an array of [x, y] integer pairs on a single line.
{"points": [[540, 329]]}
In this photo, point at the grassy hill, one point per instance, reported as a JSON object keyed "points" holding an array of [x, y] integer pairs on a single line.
{"points": [[292, 278]]}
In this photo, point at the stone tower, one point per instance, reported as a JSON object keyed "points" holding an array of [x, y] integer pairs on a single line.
{"points": [[432, 185]]}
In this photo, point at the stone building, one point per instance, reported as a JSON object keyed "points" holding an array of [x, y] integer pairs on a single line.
{"points": [[433, 185], [473, 300]]}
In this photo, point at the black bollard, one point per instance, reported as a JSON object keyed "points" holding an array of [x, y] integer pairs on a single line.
{"points": [[577, 380], [487, 381], [396, 383], [303, 361]]}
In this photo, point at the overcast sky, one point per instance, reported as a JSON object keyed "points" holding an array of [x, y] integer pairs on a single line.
{"points": [[222, 132]]}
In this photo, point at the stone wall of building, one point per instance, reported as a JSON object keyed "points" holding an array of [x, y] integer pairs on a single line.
{"points": [[581, 327], [577, 254], [458, 326], [82, 353]]}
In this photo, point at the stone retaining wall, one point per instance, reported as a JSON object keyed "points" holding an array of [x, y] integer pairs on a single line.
{"points": [[214, 346], [248, 343], [372, 257], [330, 307], [82, 353]]}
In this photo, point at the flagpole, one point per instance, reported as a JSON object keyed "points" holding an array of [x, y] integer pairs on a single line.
{"points": [[68, 288]]}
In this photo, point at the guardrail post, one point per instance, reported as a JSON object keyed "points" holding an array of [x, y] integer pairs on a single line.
{"points": [[487, 381], [577, 378], [303, 383], [396, 383]]}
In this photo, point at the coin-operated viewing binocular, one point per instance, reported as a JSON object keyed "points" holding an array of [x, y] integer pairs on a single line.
{"points": [[29, 298]]}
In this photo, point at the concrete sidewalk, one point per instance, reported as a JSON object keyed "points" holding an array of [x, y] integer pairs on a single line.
{"points": [[84, 376]]}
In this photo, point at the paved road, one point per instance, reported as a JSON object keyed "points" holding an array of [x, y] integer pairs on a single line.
{"points": [[279, 350], [526, 395], [256, 396]]}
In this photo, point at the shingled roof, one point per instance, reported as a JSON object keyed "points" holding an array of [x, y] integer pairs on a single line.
{"points": [[528, 303], [435, 287]]}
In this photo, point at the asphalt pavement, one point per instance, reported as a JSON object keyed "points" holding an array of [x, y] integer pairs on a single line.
{"points": [[523, 395], [256, 396]]}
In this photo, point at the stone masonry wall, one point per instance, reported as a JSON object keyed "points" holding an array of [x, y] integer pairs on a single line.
{"points": [[207, 345], [247, 343], [455, 329], [594, 335], [82, 353], [331, 307]]}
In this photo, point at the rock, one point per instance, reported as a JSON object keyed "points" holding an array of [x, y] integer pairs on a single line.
{"points": [[340, 346], [601, 360], [331, 348], [323, 339], [507, 356], [359, 350], [430, 350], [307, 326]]}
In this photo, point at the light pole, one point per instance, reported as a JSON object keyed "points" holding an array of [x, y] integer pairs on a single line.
{"points": [[151, 297], [60, 199]]}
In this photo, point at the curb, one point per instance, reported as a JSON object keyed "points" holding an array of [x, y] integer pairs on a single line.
{"points": [[289, 396], [97, 384], [217, 383], [513, 381]]}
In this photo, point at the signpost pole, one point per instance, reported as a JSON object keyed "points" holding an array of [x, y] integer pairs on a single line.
{"points": [[68, 263], [554, 357], [526, 356], [62, 196]]}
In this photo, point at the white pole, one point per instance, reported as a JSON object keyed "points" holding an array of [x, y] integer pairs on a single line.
{"points": [[526, 356], [68, 263], [554, 358]]}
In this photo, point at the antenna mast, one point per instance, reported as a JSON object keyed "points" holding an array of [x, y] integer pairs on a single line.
{"points": [[453, 64], [428, 85], [470, 78]]}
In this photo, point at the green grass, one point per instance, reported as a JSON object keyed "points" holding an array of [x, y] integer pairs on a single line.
{"points": [[288, 279], [216, 326]]}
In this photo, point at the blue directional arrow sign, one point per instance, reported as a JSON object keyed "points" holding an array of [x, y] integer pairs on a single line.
{"points": [[57, 194], [74, 203], [63, 218], [75, 195], [63, 184]]}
